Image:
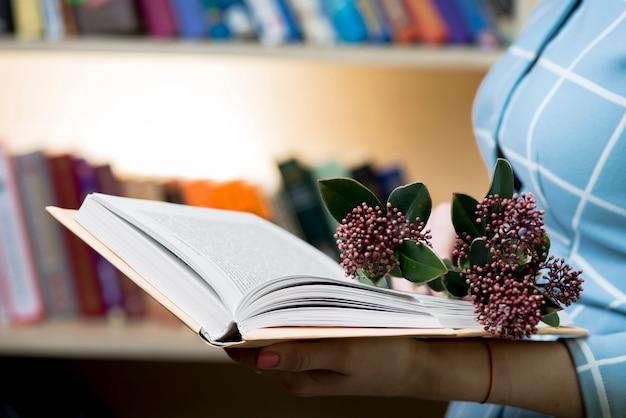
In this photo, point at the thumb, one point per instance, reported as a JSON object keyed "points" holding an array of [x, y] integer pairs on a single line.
{"points": [[300, 356]]}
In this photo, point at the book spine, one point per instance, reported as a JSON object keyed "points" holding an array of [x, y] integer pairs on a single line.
{"points": [[51, 261], [432, 27], [69, 18], [189, 18], [404, 31], [27, 19], [315, 25], [21, 283], [294, 32], [454, 22], [269, 21], [307, 203], [378, 28], [238, 18], [158, 18], [83, 269], [106, 17], [106, 273], [347, 20], [6, 18], [214, 19], [53, 19], [476, 20]]}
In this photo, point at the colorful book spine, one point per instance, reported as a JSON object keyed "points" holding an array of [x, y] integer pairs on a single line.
{"points": [[458, 33], [158, 18], [27, 18], [106, 17], [190, 18], [269, 22], [69, 18], [293, 31], [316, 27], [404, 30], [477, 21], [214, 19], [238, 19], [132, 296], [433, 28], [86, 284], [54, 27], [6, 18], [107, 275], [378, 27], [51, 262], [347, 20], [307, 203], [20, 282]]}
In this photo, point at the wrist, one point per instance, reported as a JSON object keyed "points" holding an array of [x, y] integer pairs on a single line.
{"points": [[451, 370]]}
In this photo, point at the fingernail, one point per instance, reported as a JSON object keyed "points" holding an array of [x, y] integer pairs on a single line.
{"points": [[267, 360]]}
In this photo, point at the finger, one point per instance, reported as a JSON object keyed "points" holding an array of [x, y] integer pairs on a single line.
{"points": [[244, 356], [304, 356]]}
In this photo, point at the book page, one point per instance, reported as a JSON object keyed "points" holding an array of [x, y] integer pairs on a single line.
{"points": [[234, 251]]}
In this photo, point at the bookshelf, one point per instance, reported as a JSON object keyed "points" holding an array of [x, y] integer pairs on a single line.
{"points": [[106, 340], [445, 57]]}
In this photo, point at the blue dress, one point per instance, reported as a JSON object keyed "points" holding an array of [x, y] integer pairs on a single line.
{"points": [[555, 106]]}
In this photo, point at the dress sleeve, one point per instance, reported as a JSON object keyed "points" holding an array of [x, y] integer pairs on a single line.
{"points": [[600, 362]]}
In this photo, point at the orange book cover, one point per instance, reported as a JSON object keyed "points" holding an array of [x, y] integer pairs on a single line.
{"points": [[426, 16]]}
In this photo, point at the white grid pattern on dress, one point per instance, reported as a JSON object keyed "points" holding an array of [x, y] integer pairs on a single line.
{"points": [[586, 196]]}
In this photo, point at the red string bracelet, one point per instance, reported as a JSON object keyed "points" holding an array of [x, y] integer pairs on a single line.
{"points": [[490, 370]]}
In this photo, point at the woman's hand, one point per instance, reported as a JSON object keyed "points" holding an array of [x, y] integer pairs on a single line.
{"points": [[538, 376], [372, 366]]}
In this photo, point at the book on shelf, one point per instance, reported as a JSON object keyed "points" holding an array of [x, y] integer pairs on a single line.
{"points": [[158, 18], [403, 29], [27, 19], [189, 18], [117, 17], [81, 260], [6, 19], [432, 26], [50, 259], [53, 23], [378, 27], [19, 285], [236, 279], [315, 27]]}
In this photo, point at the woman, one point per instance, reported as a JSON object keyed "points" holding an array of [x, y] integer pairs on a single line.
{"points": [[555, 106]]}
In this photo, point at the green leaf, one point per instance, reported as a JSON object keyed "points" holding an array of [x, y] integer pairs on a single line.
{"points": [[464, 216], [396, 272], [436, 285], [343, 194], [502, 182], [479, 255], [372, 281], [551, 319], [413, 200], [549, 306], [419, 263], [455, 284]]}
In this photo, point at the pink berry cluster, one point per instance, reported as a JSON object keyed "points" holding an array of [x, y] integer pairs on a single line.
{"points": [[505, 305], [508, 292], [368, 238]]}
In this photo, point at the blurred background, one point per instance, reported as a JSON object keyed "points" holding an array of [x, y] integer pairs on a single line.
{"points": [[229, 104]]}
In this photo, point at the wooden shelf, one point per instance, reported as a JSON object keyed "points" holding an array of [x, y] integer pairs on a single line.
{"points": [[445, 57], [109, 340]]}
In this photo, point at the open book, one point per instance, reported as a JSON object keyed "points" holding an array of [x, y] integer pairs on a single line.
{"points": [[236, 279]]}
